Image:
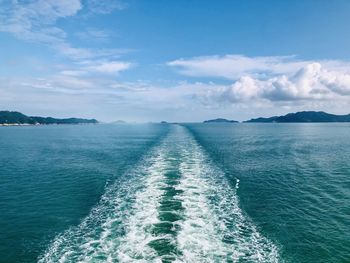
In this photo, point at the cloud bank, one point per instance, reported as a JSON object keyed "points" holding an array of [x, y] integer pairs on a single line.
{"points": [[269, 78]]}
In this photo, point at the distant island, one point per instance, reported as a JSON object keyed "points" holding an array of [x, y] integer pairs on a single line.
{"points": [[305, 116], [119, 122], [17, 118], [220, 120]]}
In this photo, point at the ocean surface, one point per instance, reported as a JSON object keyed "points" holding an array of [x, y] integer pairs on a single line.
{"points": [[175, 193]]}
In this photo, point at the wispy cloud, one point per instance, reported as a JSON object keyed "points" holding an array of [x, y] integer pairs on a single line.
{"points": [[93, 34], [36, 21], [105, 6], [232, 67], [89, 68], [86, 77], [109, 67]]}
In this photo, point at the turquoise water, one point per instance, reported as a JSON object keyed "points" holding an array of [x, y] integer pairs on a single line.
{"points": [[294, 183], [51, 177], [171, 193]]}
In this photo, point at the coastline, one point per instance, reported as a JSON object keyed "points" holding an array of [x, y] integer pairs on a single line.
{"points": [[41, 124]]}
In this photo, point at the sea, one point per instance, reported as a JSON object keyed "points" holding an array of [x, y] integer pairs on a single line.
{"points": [[218, 192]]}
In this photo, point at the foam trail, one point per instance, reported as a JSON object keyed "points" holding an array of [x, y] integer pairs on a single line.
{"points": [[135, 243], [175, 206], [98, 237], [215, 228]]}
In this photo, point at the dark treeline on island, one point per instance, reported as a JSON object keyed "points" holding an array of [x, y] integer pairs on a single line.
{"points": [[298, 117], [17, 118], [220, 120], [305, 116]]}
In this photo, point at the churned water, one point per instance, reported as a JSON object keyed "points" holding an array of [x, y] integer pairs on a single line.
{"points": [[172, 193]]}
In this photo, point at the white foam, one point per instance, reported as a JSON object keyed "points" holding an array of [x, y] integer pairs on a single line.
{"points": [[215, 228], [212, 227], [97, 238], [135, 244]]}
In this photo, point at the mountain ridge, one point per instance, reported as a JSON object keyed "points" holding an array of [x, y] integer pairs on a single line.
{"points": [[302, 117], [18, 118]]}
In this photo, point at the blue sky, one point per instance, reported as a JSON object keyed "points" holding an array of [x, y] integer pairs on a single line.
{"points": [[174, 60]]}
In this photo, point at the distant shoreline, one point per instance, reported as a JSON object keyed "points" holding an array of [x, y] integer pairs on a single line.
{"points": [[297, 117], [15, 118], [42, 124]]}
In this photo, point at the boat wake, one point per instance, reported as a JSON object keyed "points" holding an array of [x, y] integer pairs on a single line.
{"points": [[175, 206]]}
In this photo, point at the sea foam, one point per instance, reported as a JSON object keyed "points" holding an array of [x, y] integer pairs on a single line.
{"points": [[176, 205]]}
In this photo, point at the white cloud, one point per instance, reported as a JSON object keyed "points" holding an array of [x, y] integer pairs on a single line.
{"points": [[279, 79], [110, 67], [93, 68], [50, 10], [75, 73], [36, 20], [311, 82], [337, 82], [35, 17], [232, 67]]}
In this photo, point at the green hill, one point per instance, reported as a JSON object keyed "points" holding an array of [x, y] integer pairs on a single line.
{"points": [[305, 116], [14, 117]]}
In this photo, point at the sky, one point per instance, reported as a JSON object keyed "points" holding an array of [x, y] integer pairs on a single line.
{"points": [[183, 60]]}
